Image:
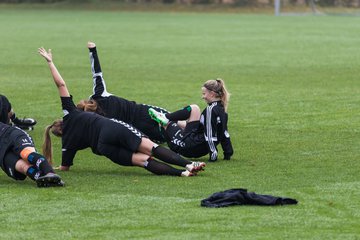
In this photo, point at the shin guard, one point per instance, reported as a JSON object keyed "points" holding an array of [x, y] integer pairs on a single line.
{"points": [[40, 162], [33, 173]]}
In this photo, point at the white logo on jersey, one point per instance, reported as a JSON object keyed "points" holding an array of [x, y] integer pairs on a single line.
{"points": [[202, 119], [131, 128], [178, 142]]}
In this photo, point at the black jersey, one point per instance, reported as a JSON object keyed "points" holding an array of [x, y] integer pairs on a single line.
{"points": [[117, 107], [214, 122], [4, 133], [3, 128], [80, 130], [5, 108], [112, 138]]}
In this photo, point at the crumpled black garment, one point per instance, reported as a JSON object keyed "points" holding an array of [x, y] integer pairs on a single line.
{"points": [[240, 196]]}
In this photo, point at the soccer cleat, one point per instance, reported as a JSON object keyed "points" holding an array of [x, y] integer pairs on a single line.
{"points": [[50, 180], [195, 167], [158, 117], [187, 174], [25, 123]]}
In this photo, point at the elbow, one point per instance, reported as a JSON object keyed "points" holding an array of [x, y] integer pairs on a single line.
{"points": [[60, 84]]}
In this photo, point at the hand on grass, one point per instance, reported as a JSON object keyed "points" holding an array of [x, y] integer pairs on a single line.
{"points": [[62, 168]]}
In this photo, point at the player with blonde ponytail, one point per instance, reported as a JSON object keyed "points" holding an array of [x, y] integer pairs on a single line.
{"points": [[204, 130]]}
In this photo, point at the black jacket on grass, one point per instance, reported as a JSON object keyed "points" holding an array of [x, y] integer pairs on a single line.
{"points": [[241, 196]]}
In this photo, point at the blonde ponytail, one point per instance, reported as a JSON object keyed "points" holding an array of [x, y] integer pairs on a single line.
{"points": [[56, 129], [47, 147]]}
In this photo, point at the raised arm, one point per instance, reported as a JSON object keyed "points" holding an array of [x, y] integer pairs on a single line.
{"points": [[58, 80], [99, 86]]}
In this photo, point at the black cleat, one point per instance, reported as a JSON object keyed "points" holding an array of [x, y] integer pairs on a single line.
{"points": [[25, 122], [50, 180]]}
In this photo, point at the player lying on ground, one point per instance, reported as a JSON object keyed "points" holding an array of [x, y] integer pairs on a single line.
{"points": [[18, 158], [203, 131], [120, 142]]}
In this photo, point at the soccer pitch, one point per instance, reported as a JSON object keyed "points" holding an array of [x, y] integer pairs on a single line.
{"points": [[294, 120]]}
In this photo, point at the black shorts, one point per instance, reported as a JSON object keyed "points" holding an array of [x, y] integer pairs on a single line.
{"points": [[148, 126], [189, 142], [9, 162], [20, 140], [14, 141], [118, 141]]}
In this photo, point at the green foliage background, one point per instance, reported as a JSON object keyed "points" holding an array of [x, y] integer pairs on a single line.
{"points": [[293, 118]]}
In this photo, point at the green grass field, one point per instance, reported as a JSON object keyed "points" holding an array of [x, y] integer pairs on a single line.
{"points": [[293, 118]]}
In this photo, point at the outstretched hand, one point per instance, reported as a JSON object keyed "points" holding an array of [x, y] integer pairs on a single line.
{"points": [[45, 54], [91, 44], [62, 168], [58, 80]]}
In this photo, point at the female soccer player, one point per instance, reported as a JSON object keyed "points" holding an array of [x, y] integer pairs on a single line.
{"points": [[117, 140], [18, 158], [203, 131], [111, 106]]}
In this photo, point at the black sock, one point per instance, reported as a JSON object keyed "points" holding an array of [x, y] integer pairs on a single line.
{"points": [[33, 173], [182, 114], [160, 168], [39, 161], [168, 156]]}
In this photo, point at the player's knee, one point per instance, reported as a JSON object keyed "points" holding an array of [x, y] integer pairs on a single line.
{"points": [[146, 146], [21, 166], [140, 159], [195, 108], [195, 112]]}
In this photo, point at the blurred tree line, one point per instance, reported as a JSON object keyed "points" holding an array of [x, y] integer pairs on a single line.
{"points": [[240, 3]]}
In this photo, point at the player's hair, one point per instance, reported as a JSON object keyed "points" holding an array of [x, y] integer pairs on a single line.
{"points": [[56, 129], [89, 106], [218, 86]]}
